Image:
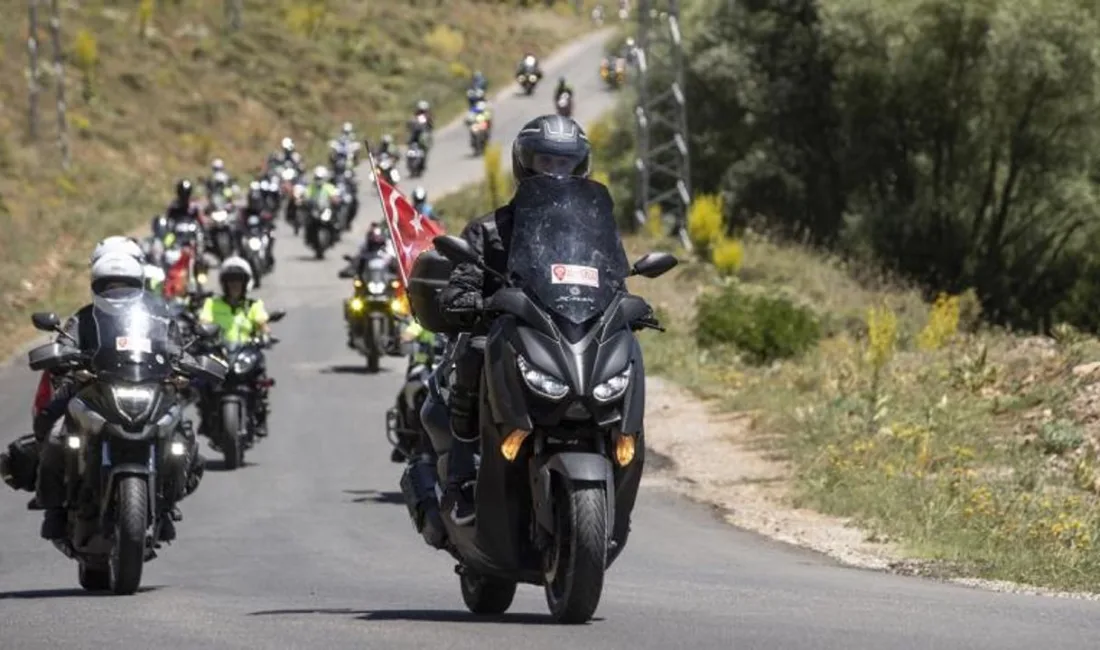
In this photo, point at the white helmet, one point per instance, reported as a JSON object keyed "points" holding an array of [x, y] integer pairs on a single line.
{"points": [[423, 106], [320, 173], [117, 268], [117, 244], [347, 128], [288, 144], [238, 266]]}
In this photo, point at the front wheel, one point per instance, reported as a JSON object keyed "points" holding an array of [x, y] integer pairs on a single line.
{"points": [[486, 596], [575, 564], [131, 521], [231, 443]]}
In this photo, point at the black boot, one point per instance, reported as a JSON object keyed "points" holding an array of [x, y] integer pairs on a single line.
{"points": [[55, 524], [459, 498]]}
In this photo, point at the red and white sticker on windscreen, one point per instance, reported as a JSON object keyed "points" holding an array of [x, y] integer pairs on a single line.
{"points": [[587, 276]]}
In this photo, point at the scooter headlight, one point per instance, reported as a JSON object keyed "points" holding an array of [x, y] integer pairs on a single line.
{"points": [[613, 388], [244, 363], [541, 382]]}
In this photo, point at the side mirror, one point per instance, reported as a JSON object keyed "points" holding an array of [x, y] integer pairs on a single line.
{"points": [[208, 330], [654, 265], [45, 321], [207, 367], [348, 258], [276, 316], [457, 250], [344, 274]]}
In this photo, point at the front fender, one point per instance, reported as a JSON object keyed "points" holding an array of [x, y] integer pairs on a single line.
{"points": [[572, 467]]}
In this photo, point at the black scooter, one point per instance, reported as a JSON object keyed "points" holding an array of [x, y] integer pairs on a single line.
{"points": [[562, 404]]}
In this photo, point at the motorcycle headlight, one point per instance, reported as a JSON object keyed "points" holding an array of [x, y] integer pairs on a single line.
{"points": [[255, 243], [244, 363], [613, 388], [133, 401], [219, 215], [288, 174], [399, 307], [356, 305], [326, 214], [396, 176], [376, 288], [541, 382]]}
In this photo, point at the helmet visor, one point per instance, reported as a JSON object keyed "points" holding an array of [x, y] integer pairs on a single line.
{"points": [[553, 164]]}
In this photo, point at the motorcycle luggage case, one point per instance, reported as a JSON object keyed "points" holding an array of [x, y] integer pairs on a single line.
{"points": [[428, 277], [19, 464]]}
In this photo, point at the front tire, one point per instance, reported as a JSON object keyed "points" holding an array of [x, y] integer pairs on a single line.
{"points": [[131, 521], [486, 596], [576, 563], [231, 443]]}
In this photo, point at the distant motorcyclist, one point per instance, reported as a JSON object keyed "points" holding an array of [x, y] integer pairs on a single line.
{"points": [[219, 181], [479, 81], [551, 145], [563, 87], [475, 95], [420, 202], [347, 133], [374, 246], [286, 156], [424, 108], [180, 209], [480, 111], [240, 318], [386, 147], [630, 51], [321, 188], [529, 65]]}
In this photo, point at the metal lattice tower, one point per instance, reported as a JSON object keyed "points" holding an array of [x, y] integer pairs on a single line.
{"points": [[663, 162]]}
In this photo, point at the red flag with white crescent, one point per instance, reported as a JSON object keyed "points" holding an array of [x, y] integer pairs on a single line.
{"points": [[410, 231]]}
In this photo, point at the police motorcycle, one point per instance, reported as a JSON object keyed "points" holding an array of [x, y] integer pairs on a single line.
{"points": [[127, 457], [229, 410], [562, 404], [322, 229], [374, 311]]}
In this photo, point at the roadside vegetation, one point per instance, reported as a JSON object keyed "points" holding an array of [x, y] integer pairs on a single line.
{"points": [[905, 303], [155, 90]]}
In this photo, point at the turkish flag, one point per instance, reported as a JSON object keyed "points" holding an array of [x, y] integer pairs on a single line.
{"points": [[411, 233]]}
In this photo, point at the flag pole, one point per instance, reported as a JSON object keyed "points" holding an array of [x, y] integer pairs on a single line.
{"points": [[395, 237]]}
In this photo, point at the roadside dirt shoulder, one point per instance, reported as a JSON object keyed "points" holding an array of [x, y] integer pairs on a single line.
{"points": [[715, 458]]}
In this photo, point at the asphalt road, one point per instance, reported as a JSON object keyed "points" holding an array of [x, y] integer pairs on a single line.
{"points": [[310, 546]]}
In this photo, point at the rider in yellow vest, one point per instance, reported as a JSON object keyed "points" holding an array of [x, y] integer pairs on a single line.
{"points": [[240, 317]]}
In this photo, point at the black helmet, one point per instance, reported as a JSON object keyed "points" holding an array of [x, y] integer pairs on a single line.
{"points": [[552, 145], [376, 239], [183, 189]]}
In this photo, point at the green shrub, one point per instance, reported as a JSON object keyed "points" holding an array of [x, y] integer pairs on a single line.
{"points": [[764, 328]]}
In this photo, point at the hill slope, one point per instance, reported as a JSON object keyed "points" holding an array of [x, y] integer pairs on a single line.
{"points": [[151, 100]]}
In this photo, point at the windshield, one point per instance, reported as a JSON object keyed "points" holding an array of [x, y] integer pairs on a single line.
{"points": [[566, 250], [135, 336]]}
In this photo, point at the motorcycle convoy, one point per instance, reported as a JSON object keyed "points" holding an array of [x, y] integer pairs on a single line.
{"points": [[562, 438]]}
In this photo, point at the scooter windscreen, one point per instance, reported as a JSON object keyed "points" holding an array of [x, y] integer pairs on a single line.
{"points": [[566, 251]]}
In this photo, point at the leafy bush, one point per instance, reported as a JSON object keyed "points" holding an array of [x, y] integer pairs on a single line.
{"points": [[495, 180], [763, 327], [728, 255], [704, 224]]}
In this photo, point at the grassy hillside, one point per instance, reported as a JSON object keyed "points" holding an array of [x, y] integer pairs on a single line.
{"points": [[156, 89]]}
